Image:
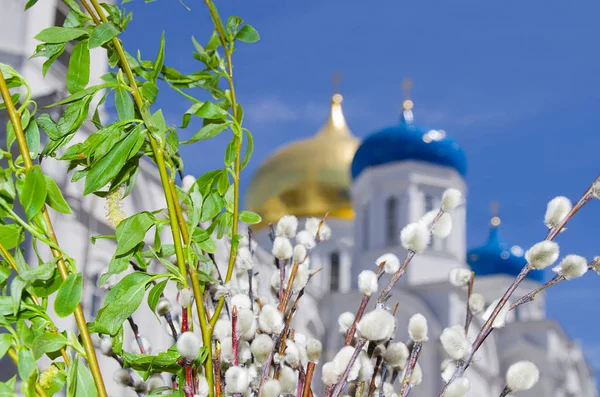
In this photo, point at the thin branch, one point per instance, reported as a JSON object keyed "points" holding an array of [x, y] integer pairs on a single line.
{"points": [[412, 363], [342, 382], [469, 315]]}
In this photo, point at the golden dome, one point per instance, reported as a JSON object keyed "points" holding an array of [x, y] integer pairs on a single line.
{"points": [[309, 177]]}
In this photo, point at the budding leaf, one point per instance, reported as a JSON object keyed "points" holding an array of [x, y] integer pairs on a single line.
{"points": [[247, 34], [78, 74], [250, 217], [55, 198], [33, 194], [11, 235], [154, 294], [69, 295], [102, 33]]}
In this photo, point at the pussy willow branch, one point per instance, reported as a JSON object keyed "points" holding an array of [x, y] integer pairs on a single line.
{"points": [[238, 145], [310, 369], [505, 392], [487, 326], [342, 382], [412, 363], [8, 257], [88, 346], [469, 315]]}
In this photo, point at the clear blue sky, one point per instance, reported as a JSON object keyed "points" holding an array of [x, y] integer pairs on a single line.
{"points": [[516, 83]]}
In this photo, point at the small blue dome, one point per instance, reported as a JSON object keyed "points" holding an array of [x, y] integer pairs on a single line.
{"points": [[407, 141], [496, 257]]}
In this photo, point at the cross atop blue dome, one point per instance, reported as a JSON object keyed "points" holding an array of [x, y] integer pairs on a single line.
{"points": [[497, 257], [407, 141]]}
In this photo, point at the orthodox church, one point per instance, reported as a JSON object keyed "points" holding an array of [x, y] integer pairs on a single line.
{"points": [[370, 189]]}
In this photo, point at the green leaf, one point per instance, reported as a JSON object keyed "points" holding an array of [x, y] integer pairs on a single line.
{"points": [[26, 364], [247, 34], [11, 236], [154, 294], [117, 264], [249, 149], [47, 342], [150, 91], [212, 205], [5, 342], [33, 194], [56, 34], [102, 171], [123, 304], [32, 136], [231, 151], [42, 272], [69, 295], [102, 33], [78, 95], [124, 104], [79, 381], [48, 125], [160, 57], [209, 110], [78, 74], [131, 231], [250, 217], [206, 132], [55, 198]]}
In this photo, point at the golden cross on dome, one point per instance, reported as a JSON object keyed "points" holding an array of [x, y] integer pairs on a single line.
{"points": [[406, 86], [494, 210], [335, 83]]}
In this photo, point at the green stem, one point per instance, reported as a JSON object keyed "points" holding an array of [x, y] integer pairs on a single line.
{"points": [[15, 119]]}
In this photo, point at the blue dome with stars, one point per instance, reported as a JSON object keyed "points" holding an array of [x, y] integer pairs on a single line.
{"points": [[407, 141], [497, 257]]}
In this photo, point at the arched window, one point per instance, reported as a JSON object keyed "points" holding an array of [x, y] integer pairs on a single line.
{"points": [[334, 272], [365, 227], [391, 221]]}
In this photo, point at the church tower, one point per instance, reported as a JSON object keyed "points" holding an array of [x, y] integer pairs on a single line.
{"points": [[399, 174], [311, 178]]}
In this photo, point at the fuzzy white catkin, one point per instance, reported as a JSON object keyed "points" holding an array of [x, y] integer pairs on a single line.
{"points": [[163, 306], [417, 328], [135, 347], [443, 226], [415, 237], [366, 367], [261, 347], [155, 381], [396, 355], [306, 239], [241, 301], [236, 380], [282, 248], [345, 321], [245, 321], [500, 320], [244, 260], [458, 388], [313, 349], [522, 376], [451, 199], [455, 342], [292, 354], [203, 388], [270, 319], [328, 375], [287, 380], [122, 377], [287, 226], [459, 277], [542, 254], [187, 182], [447, 368], [477, 304], [312, 226], [556, 211], [377, 325], [184, 297], [220, 292], [222, 329], [392, 263], [106, 346], [188, 345], [300, 253], [572, 266], [271, 388], [367, 282], [301, 279], [341, 361]]}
